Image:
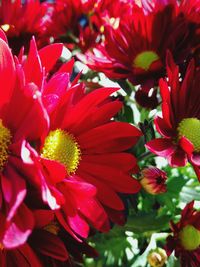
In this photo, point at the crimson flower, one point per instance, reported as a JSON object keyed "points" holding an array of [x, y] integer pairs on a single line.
{"points": [[20, 21], [179, 124], [42, 243], [74, 24], [48, 245], [136, 48], [15, 131], [185, 240], [77, 161]]}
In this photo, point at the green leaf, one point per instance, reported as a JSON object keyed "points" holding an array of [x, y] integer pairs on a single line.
{"points": [[142, 222]]}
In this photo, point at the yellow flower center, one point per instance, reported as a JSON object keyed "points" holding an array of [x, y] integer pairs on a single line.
{"points": [[5, 141], [190, 128], [62, 147], [145, 59], [190, 237]]}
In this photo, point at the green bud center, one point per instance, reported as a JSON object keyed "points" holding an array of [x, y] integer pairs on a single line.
{"points": [[145, 59], [190, 237]]}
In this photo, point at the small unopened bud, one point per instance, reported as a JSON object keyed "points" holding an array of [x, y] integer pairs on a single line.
{"points": [[157, 257], [153, 180]]}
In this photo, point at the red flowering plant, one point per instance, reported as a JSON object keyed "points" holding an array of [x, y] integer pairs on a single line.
{"points": [[179, 125], [74, 23], [20, 20], [85, 172], [185, 240], [78, 122], [15, 132], [136, 48], [71, 165]]}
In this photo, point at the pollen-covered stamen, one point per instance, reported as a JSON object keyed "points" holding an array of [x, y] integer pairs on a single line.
{"points": [[145, 59], [62, 147], [189, 237], [190, 128], [5, 141]]}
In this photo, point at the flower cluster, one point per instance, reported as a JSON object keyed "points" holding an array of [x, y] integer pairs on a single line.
{"points": [[73, 162], [62, 161]]}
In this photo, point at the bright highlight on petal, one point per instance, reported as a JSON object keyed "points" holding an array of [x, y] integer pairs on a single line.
{"points": [[5, 27], [190, 237], [145, 59], [5, 141], [190, 128], [62, 146]]}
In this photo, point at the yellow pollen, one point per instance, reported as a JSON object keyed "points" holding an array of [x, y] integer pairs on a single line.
{"points": [[52, 227], [190, 128], [189, 237], [145, 59], [1, 246], [5, 141], [62, 147]]}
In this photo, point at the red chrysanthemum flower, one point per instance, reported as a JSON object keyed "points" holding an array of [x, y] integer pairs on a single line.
{"points": [[90, 146], [48, 245], [18, 108], [185, 240], [20, 21], [81, 123], [68, 167], [153, 180], [136, 49], [74, 23], [111, 12], [179, 125]]}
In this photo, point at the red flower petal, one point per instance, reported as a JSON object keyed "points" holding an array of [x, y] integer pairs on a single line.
{"points": [[161, 147]]}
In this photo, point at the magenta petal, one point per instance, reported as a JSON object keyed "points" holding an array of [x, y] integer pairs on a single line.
{"points": [[19, 230], [195, 159], [197, 171], [79, 225], [186, 145], [161, 147], [163, 128], [14, 191], [178, 158], [3, 36], [14, 237]]}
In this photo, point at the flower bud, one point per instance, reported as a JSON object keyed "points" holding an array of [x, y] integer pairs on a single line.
{"points": [[157, 257], [153, 180]]}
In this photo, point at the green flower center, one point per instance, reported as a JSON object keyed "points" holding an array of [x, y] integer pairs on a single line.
{"points": [[62, 147], [190, 128], [5, 141], [190, 237], [145, 59]]}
